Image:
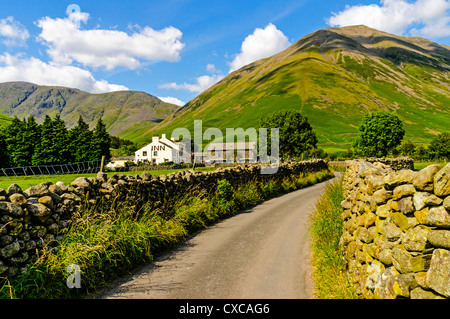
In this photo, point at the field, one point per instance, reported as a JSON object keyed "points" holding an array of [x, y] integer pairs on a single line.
{"points": [[28, 181]]}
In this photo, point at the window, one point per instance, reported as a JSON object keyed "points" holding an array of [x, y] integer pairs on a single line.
{"points": [[155, 153], [144, 153]]}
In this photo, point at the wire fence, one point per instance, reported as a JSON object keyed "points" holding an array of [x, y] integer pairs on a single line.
{"points": [[61, 169]]}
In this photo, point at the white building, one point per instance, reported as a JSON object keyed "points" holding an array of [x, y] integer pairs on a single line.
{"points": [[119, 162], [241, 152], [162, 150]]}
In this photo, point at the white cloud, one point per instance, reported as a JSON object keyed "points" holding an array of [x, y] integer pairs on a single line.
{"points": [[202, 83], [15, 33], [107, 48], [211, 68], [172, 100], [428, 18], [262, 43], [18, 68]]}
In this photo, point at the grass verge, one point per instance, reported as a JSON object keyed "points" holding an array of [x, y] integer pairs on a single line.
{"points": [[329, 272], [108, 245]]}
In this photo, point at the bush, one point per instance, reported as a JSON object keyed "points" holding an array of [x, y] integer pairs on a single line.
{"points": [[169, 163], [224, 190]]}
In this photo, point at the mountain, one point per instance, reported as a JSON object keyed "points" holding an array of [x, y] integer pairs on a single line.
{"points": [[334, 77], [125, 113]]}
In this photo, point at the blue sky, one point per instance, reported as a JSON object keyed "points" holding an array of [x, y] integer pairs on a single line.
{"points": [[175, 49]]}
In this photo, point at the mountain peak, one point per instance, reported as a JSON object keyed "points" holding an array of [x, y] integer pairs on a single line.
{"points": [[122, 111], [334, 76]]}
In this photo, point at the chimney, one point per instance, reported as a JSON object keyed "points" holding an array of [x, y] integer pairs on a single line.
{"points": [[155, 139]]}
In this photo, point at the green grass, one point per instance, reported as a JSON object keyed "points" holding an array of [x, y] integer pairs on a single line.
{"points": [[108, 245], [27, 181], [329, 272], [418, 165], [4, 120]]}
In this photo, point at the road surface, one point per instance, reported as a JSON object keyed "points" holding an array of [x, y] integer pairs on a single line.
{"points": [[261, 253]]}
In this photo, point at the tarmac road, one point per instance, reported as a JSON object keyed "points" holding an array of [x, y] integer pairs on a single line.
{"points": [[261, 253]]}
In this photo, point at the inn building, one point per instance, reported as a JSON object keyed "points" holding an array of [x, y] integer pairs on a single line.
{"points": [[162, 150], [241, 152]]}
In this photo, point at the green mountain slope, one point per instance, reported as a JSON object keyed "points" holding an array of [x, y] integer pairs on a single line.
{"points": [[4, 120], [125, 113], [334, 77]]}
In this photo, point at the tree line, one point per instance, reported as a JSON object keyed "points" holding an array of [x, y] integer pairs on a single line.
{"points": [[380, 134], [27, 143]]}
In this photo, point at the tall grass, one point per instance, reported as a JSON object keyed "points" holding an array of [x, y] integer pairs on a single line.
{"points": [[104, 246], [110, 244], [329, 272]]}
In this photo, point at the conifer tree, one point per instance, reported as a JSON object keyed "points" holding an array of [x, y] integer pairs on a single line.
{"points": [[101, 141], [81, 141], [54, 145], [61, 150], [16, 143], [4, 157], [42, 152], [32, 136]]}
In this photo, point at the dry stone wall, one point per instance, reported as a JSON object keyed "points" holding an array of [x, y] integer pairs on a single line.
{"points": [[396, 230], [35, 220]]}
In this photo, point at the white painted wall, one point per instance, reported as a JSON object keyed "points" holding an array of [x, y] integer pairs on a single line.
{"points": [[162, 150]]}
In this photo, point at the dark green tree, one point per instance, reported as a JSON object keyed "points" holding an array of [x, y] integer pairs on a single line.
{"points": [[379, 134], [440, 146], [101, 142], [81, 141], [43, 150], [17, 144], [4, 157], [54, 145], [32, 137], [295, 133]]}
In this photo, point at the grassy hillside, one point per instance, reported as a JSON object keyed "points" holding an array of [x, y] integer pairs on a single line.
{"points": [[334, 77], [4, 120], [123, 112]]}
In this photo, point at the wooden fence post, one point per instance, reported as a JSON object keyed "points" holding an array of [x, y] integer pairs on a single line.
{"points": [[102, 163]]}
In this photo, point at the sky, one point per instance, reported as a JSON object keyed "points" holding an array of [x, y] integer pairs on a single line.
{"points": [[176, 49]]}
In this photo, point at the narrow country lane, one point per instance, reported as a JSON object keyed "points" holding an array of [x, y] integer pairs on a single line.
{"points": [[260, 253]]}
